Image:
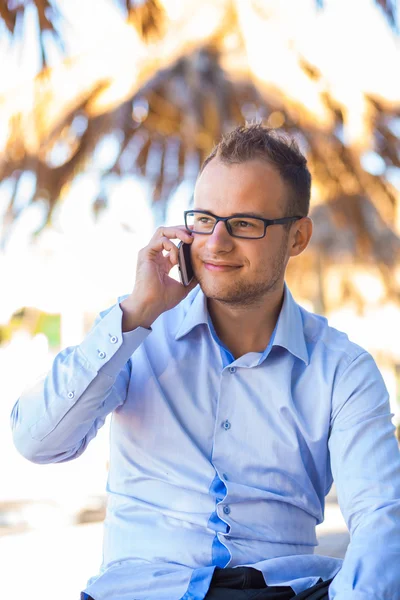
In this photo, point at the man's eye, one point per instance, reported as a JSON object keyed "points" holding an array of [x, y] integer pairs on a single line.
{"points": [[244, 224]]}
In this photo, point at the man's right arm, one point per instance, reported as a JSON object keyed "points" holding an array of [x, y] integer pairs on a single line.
{"points": [[55, 419]]}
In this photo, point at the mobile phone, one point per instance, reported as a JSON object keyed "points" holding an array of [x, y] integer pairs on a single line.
{"points": [[186, 273]]}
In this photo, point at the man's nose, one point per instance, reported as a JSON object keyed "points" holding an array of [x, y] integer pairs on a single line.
{"points": [[219, 239]]}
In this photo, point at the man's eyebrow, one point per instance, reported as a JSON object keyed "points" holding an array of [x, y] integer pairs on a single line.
{"points": [[249, 214], [240, 214]]}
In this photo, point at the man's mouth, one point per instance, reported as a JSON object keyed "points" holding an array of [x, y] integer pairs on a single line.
{"points": [[220, 266]]}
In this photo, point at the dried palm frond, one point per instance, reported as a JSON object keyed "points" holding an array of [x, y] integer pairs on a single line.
{"points": [[12, 14], [147, 16], [167, 119]]}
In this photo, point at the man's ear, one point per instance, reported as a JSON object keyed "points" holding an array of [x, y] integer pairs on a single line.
{"points": [[300, 236]]}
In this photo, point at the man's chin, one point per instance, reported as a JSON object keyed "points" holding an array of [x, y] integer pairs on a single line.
{"points": [[210, 289], [221, 293], [226, 288], [238, 293]]}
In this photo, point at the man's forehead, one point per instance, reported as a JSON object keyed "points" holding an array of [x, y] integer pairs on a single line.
{"points": [[250, 186]]}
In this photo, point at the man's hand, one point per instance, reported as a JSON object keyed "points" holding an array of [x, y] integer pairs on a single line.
{"points": [[154, 291]]}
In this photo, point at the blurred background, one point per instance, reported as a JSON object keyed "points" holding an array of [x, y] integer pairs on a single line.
{"points": [[107, 110]]}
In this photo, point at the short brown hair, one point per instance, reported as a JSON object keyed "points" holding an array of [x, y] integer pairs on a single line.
{"points": [[248, 142]]}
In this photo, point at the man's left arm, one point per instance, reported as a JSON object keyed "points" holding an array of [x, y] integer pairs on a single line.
{"points": [[365, 463]]}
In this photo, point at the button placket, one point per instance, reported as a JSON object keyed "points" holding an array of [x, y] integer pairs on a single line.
{"points": [[220, 448]]}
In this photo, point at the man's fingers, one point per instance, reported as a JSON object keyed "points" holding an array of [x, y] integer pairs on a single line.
{"points": [[164, 244], [173, 233]]}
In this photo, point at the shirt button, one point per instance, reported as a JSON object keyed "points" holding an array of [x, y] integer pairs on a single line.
{"points": [[101, 354], [71, 395], [226, 424], [113, 339], [226, 510], [232, 369]]}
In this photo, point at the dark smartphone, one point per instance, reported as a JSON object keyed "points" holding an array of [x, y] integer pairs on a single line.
{"points": [[185, 264]]}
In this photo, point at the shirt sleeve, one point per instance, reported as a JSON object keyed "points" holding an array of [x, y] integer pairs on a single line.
{"points": [[365, 465], [56, 418]]}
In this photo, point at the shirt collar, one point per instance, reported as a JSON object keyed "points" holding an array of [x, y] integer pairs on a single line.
{"points": [[289, 331], [197, 314]]}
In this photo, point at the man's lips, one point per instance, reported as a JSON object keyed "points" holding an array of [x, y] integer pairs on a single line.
{"points": [[217, 266]]}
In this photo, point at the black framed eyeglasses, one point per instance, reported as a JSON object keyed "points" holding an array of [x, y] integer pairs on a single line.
{"points": [[240, 225]]}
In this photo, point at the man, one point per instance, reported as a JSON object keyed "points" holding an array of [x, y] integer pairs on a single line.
{"points": [[233, 408]]}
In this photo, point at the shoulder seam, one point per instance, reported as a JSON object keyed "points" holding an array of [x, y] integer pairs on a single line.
{"points": [[310, 338]]}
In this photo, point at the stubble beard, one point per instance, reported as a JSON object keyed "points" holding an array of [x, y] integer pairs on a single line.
{"points": [[239, 292]]}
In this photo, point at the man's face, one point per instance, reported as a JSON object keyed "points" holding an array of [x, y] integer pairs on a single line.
{"points": [[256, 266]]}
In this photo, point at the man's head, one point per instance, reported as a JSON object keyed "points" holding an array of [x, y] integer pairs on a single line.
{"points": [[255, 171]]}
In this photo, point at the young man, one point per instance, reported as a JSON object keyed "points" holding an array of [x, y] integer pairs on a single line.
{"points": [[233, 408]]}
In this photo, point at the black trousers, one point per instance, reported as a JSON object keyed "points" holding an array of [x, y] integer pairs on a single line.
{"points": [[246, 583]]}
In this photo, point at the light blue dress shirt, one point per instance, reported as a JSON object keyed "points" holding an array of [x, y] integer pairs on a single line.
{"points": [[223, 462]]}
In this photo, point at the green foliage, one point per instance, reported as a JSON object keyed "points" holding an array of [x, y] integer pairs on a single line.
{"points": [[50, 325], [34, 321]]}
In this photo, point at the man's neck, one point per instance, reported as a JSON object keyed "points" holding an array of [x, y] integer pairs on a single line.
{"points": [[246, 329]]}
